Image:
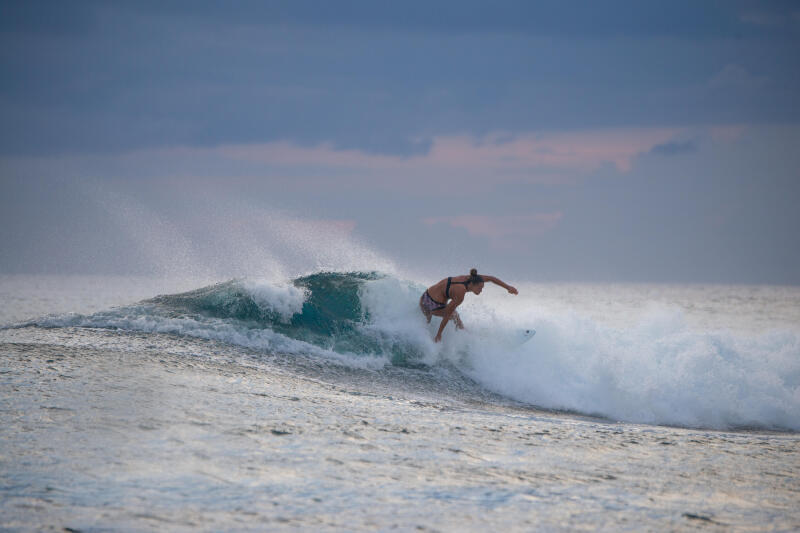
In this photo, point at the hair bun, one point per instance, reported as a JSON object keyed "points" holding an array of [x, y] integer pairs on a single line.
{"points": [[473, 272]]}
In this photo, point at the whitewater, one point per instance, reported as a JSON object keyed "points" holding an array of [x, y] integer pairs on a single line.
{"points": [[321, 401]]}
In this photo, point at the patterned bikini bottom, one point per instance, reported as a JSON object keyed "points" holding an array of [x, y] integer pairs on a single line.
{"points": [[429, 305]]}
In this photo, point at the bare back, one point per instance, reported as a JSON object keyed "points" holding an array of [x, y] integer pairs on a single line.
{"points": [[439, 290]]}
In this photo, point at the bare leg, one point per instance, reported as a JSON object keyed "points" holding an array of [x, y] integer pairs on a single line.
{"points": [[454, 317]]}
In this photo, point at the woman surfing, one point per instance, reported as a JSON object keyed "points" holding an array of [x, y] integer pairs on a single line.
{"points": [[442, 298]]}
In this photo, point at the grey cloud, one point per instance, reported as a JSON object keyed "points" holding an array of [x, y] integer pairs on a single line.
{"points": [[674, 148], [104, 77], [579, 19]]}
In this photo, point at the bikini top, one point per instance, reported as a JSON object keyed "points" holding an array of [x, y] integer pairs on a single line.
{"points": [[449, 282]]}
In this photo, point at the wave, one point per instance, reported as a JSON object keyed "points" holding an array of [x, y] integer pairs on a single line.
{"points": [[324, 310], [658, 372], [322, 314]]}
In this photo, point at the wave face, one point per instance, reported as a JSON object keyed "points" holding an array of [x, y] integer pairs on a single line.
{"points": [[323, 310], [658, 371], [323, 314]]}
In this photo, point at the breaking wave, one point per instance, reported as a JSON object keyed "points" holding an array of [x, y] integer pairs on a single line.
{"points": [[659, 371]]}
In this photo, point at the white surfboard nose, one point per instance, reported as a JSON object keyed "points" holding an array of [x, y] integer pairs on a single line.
{"points": [[525, 335]]}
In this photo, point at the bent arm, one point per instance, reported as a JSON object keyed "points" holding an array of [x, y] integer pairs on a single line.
{"points": [[498, 281]]}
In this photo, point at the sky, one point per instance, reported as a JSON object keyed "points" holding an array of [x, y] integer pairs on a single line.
{"points": [[540, 141]]}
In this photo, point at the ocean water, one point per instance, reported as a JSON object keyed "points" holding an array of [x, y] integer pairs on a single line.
{"points": [[320, 402]]}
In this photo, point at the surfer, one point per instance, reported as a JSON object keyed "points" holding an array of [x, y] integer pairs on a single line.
{"points": [[442, 298]]}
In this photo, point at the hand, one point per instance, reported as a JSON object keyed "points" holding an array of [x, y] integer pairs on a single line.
{"points": [[512, 290], [438, 337]]}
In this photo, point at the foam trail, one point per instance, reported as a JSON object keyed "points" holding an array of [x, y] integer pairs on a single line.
{"points": [[659, 372]]}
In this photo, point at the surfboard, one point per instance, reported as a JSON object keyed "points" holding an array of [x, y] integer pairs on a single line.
{"points": [[508, 339], [524, 335]]}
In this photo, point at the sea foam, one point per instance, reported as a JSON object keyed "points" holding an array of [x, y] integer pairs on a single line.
{"points": [[656, 370]]}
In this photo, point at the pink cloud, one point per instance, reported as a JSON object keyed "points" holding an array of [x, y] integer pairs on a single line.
{"points": [[531, 158], [502, 231], [583, 151]]}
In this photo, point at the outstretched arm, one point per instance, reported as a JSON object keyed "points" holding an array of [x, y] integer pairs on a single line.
{"points": [[500, 282], [448, 312]]}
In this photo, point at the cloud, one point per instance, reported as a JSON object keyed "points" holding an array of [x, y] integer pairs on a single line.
{"points": [[458, 165], [674, 148], [727, 133], [452, 165], [502, 231], [108, 78], [736, 77], [532, 157], [769, 19]]}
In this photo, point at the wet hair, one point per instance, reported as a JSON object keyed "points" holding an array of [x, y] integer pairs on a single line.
{"points": [[474, 277]]}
